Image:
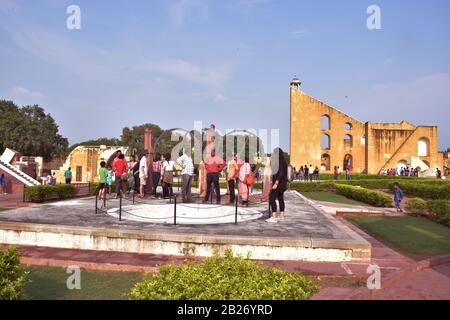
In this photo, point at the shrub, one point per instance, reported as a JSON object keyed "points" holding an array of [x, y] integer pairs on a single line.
{"points": [[223, 278], [440, 208], [375, 198], [416, 206], [427, 191], [12, 277], [46, 192]]}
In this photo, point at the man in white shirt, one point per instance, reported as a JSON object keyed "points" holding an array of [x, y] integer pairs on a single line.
{"points": [[143, 174]]}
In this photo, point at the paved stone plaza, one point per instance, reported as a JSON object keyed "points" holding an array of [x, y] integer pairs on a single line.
{"points": [[305, 227]]}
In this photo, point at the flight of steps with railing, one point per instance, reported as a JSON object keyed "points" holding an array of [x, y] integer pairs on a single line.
{"points": [[18, 174]]}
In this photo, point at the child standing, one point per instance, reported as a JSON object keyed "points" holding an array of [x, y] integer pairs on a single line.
{"points": [[109, 178], [398, 196], [103, 174]]}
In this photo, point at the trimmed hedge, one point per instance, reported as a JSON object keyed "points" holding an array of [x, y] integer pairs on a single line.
{"points": [[223, 278], [46, 192], [362, 176], [368, 184], [426, 191], [440, 208], [416, 206], [375, 198]]}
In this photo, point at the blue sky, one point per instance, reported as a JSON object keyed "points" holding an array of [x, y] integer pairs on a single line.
{"points": [[227, 62]]}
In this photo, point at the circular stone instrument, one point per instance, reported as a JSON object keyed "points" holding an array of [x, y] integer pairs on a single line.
{"points": [[186, 213]]}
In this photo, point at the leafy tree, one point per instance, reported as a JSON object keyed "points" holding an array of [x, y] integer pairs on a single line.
{"points": [[30, 131], [134, 137]]}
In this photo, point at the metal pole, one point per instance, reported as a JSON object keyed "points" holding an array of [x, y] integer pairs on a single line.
{"points": [[104, 198], [120, 207], [24, 187], [134, 194], [175, 211], [236, 210], [96, 203]]}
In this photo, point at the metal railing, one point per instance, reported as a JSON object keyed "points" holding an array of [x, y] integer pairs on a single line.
{"points": [[173, 199]]}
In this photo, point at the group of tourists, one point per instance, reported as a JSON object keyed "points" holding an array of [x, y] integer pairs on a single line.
{"points": [[305, 173], [403, 172], [413, 172], [133, 176]]}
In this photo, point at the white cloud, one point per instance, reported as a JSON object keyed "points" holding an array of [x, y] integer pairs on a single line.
{"points": [[179, 69], [23, 94], [87, 61], [220, 98], [180, 10], [297, 34]]}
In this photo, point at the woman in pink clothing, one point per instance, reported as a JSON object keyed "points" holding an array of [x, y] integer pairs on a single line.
{"points": [[244, 189]]}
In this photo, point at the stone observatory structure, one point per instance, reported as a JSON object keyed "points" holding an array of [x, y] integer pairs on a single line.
{"points": [[326, 137]]}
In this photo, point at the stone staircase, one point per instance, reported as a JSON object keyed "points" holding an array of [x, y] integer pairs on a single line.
{"points": [[18, 174]]}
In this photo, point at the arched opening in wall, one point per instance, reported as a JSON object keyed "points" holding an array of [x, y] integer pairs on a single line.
{"points": [[423, 147], [325, 162], [326, 123], [325, 142], [348, 126], [402, 164], [362, 140], [348, 162], [348, 141]]}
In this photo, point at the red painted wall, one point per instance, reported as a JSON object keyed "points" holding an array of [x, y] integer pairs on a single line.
{"points": [[12, 184]]}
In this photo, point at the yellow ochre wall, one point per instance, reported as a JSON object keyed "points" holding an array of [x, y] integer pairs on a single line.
{"points": [[376, 146]]}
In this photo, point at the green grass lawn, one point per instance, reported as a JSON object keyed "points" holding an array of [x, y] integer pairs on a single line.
{"points": [[50, 284], [331, 197], [415, 237], [3, 209]]}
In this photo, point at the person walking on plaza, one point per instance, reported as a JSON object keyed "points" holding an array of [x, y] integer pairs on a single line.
{"points": [[2, 184], [306, 173], [398, 196], [68, 175], [336, 173], [279, 185], [214, 165], [156, 175], [120, 171], [143, 174], [167, 167], [135, 175], [311, 173], [103, 174], [232, 173], [244, 188], [187, 172]]}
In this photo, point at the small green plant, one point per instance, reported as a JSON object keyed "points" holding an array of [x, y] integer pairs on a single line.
{"points": [[223, 278], [375, 198], [12, 277], [416, 207]]}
